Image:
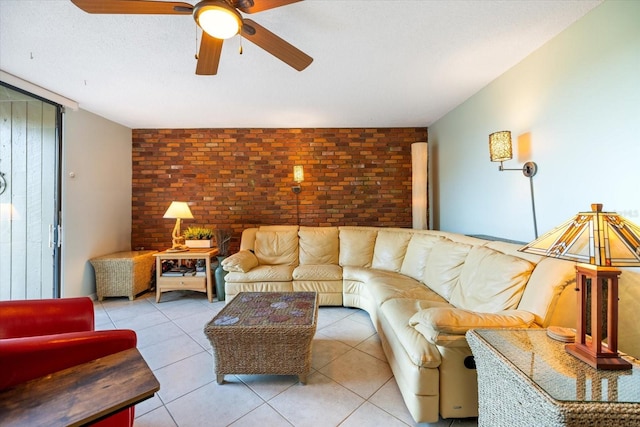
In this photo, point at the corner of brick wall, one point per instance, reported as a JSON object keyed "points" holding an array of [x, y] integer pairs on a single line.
{"points": [[239, 178]]}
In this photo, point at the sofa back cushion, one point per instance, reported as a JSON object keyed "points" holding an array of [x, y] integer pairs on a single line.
{"points": [[418, 251], [319, 245], [248, 240], [390, 249], [545, 285], [356, 246], [444, 265], [277, 247], [490, 281]]}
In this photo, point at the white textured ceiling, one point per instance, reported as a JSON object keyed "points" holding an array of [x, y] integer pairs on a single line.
{"points": [[376, 63]]}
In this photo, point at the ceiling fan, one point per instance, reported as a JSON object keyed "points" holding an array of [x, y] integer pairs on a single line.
{"points": [[219, 20]]}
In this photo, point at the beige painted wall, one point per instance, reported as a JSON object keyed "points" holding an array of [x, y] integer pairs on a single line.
{"points": [[573, 107], [96, 200]]}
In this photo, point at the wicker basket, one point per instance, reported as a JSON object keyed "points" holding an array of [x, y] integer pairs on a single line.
{"points": [[123, 273]]}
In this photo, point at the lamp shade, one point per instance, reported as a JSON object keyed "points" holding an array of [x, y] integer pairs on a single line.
{"points": [[596, 238], [178, 210], [500, 146], [218, 19]]}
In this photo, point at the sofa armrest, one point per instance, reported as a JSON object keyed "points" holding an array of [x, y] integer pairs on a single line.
{"points": [[23, 359], [240, 262], [448, 325], [27, 318]]}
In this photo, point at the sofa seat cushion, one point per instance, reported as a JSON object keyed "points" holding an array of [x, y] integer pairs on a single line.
{"points": [[263, 273], [277, 247], [384, 287], [317, 272], [437, 324], [397, 313], [320, 286], [490, 281], [319, 245], [233, 289]]}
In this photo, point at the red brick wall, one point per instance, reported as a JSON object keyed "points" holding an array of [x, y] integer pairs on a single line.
{"points": [[238, 178]]}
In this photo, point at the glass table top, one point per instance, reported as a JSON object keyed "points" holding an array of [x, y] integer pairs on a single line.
{"points": [[562, 376]]}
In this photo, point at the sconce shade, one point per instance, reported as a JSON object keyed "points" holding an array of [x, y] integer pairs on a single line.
{"points": [[217, 18], [500, 146], [298, 173], [596, 238], [178, 210]]}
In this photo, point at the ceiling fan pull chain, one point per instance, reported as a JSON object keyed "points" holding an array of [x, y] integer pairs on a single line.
{"points": [[240, 50], [196, 55]]}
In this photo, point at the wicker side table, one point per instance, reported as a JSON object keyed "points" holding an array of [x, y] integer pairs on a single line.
{"points": [[527, 379], [123, 273]]}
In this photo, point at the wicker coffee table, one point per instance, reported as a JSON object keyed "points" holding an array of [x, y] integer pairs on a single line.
{"points": [[264, 333]]}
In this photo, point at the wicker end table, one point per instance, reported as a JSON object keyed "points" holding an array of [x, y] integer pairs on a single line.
{"points": [[527, 379], [125, 273], [264, 333]]}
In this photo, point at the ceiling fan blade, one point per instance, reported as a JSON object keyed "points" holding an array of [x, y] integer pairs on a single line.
{"points": [[209, 55], [135, 7], [276, 46], [253, 6]]}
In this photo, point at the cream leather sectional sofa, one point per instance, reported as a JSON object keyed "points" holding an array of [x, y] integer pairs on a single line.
{"points": [[422, 289]]}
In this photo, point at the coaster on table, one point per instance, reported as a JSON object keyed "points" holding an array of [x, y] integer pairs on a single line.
{"points": [[559, 333]]}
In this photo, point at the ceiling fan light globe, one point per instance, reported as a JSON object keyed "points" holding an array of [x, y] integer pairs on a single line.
{"points": [[218, 19]]}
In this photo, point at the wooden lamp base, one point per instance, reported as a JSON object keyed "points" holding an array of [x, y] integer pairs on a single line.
{"points": [[599, 286], [607, 360]]}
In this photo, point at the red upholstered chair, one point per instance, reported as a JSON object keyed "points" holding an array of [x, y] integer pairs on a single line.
{"points": [[38, 337]]}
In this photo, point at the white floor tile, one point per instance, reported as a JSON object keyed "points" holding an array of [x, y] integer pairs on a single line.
{"points": [[214, 405], [265, 416], [185, 376], [321, 402], [157, 418], [142, 321], [167, 352], [369, 415], [359, 372]]}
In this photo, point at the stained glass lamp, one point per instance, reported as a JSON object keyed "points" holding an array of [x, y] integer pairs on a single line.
{"points": [[599, 242]]}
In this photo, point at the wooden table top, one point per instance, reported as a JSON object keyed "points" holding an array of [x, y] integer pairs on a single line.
{"points": [[191, 253], [80, 394]]}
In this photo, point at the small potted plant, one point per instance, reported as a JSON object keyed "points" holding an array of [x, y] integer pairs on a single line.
{"points": [[198, 237]]}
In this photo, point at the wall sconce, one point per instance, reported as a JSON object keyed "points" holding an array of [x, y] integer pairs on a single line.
{"points": [[500, 150], [598, 241], [178, 210], [298, 177]]}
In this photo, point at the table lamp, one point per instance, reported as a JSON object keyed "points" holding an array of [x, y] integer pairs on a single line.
{"points": [[178, 210], [598, 241]]}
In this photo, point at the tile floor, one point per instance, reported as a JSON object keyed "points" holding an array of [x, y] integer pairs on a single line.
{"points": [[350, 383]]}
